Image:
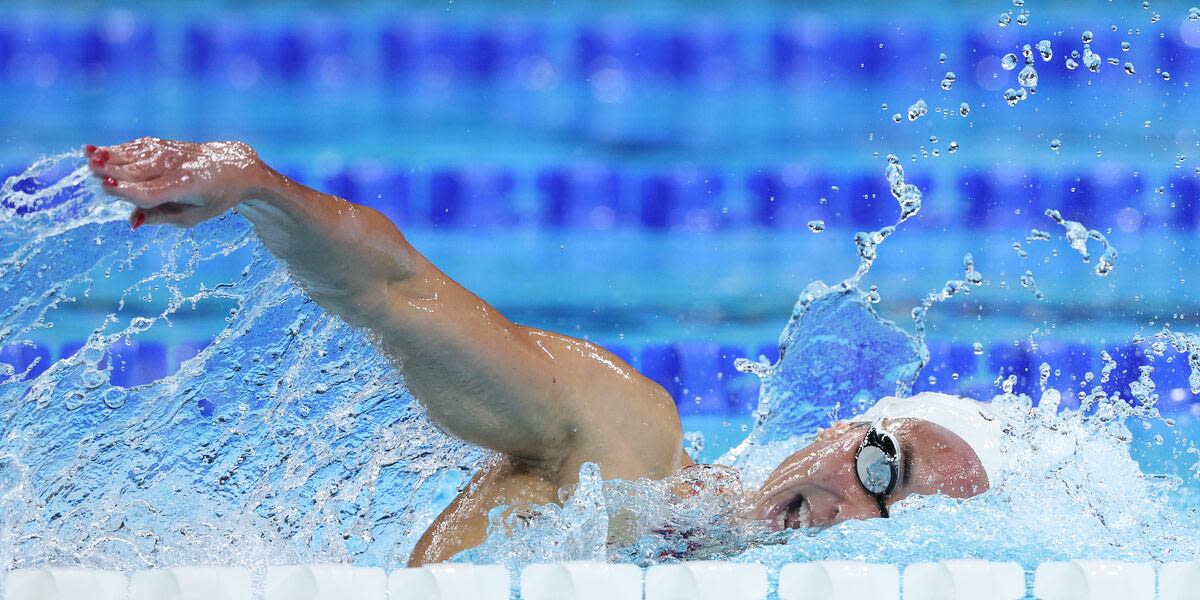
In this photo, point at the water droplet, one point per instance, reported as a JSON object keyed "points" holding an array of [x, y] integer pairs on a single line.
{"points": [[1011, 97], [883, 106], [1087, 37], [1129, 68], [1146, 5], [873, 295], [1154, 18], [1092, 61], [964, 109], [1027, 53], [1146, 124], [1009, 62], [1055, 144], [977, 348], [1071, 64], [917, 110], [1045, 50], [73, 400], [897, 118], [1028, 77], [1005, 19], [948, 81], [942, 58], [816, 226], [1125, 46], [1018, 3], [933, 139], [1167, 77], [1194, 14], [952, 147], [114, 398]]}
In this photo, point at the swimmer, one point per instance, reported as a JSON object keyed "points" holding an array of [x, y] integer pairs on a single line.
{"points": [[546, 403]]}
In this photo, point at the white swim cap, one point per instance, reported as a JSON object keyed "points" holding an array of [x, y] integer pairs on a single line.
{"points": [[971, 420]]}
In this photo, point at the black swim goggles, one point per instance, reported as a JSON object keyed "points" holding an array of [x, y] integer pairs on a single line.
{"points": [[877, 465]]}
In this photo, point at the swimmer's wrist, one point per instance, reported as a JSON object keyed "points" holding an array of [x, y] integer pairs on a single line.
{"points": [[260, 182]]}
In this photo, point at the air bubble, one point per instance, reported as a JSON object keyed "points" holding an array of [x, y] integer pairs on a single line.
{"points": [[1167, 76], [1194, 14], [948, 80], [1005, 19], [897, 118], [1086, 37], [1055, 144], [964, 109], [1129, 69], [1023, 19], [1125, 46], [1071, 64], [952, 147], [977, 348], [1009, 62], [942, 58], [816, 226]]}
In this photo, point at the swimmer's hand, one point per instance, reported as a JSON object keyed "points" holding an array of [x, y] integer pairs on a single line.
{"points": [[174, 182]]}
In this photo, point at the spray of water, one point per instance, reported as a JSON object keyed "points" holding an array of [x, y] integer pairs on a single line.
{"points": [[287, 439]]}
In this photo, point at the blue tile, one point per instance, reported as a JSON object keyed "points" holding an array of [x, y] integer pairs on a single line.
{"points": [[702, 381], [662, 364], [1004, 359], [581, 197], [137, 363], [21, 356], [658, 194], [1184, 192], [975, 192]]}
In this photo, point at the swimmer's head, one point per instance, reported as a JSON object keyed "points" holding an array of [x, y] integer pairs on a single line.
{"points": [[927, 444]]}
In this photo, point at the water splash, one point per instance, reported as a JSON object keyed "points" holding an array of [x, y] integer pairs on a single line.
{"points": [[287, 439], [1078, 236]]}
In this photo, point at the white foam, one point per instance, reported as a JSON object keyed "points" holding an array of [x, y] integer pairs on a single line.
{"points": [[707, 580], [1094, 580], [581, 581], [325, 582], [1179, 581], [964, 580], [838, 580], [191, 583], [64, 584], [449, 581]]}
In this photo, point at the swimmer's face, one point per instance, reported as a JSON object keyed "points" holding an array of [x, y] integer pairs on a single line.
{"points": [[819, 486]]}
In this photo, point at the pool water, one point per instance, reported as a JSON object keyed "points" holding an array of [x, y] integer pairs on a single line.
{"points": [[646, 178]]}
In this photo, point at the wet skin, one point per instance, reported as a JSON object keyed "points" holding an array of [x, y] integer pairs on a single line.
{"points": [[544, 402]]}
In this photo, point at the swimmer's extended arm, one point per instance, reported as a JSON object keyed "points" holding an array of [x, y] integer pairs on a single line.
{"points": [[548, 400]]}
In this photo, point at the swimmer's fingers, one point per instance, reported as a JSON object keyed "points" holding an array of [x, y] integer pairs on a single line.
{"points": [[138, 150], [149, 194], [151, 167]]}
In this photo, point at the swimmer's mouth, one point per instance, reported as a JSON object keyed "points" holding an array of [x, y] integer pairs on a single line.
{"points": [[790, 513]]}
